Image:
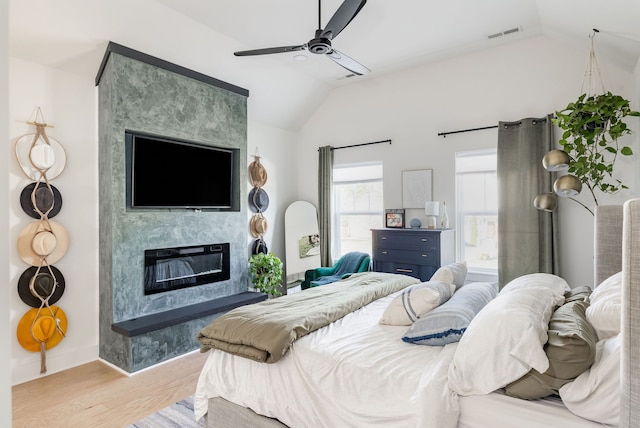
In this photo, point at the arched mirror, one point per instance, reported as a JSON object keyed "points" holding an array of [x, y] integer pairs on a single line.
{"points": [[302, 242]]}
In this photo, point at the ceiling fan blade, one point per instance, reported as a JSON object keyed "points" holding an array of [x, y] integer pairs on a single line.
{"points": [[343, 16], [347, 62], [266, 51]]}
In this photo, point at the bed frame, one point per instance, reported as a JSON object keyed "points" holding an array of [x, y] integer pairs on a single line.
{"points": [[617, 247]]}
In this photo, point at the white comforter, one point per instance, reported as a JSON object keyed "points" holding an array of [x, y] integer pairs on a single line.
{"points": [[352, 373]]}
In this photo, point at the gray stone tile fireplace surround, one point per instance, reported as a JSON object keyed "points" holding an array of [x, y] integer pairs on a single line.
{"points": [[142, 93]]}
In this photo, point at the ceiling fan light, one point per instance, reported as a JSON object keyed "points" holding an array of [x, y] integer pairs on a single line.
{"points": [[545, 202], [556, 160], [567, 186]]}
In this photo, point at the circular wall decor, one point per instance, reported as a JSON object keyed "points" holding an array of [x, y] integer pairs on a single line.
{"points": [[42, 325], [42, 242], [258, 200], [259, 246], [36, 156], [48, 201], [257, 173], [258, 225], [42, 283]]}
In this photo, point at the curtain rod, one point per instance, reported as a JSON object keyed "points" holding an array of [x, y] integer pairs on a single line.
{"points": [[444, 134], [362, 144]]}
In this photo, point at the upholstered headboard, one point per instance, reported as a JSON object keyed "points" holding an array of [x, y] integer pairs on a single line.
{"points": [[630, 360], [607, 242], [617, 247]]}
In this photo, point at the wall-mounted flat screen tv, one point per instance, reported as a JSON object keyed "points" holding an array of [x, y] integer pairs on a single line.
{"points": [[169, 173]]}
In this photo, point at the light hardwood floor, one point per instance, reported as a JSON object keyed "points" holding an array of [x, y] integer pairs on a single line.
{"points": [[96, 395]]}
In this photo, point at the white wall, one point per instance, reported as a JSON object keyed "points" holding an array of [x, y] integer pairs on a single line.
{"points": [[68, 103], [277, 149], [530, 78], [5, 330]]}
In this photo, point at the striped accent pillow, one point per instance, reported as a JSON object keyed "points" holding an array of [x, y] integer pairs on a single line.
{"points": [[415, 301], [448, 323]]}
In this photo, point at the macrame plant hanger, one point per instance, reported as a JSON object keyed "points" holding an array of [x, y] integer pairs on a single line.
{"points": [[592, 84]]}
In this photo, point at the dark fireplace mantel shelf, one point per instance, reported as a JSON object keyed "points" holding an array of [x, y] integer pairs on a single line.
{"points": [[148, 323]]}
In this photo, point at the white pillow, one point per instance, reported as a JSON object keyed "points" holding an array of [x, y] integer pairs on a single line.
{"points": [[595, 394], [504, 341], [548, 280], [415, 301], [453, 273], [606, 305]]}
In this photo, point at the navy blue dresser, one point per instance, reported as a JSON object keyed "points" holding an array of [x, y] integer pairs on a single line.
{"points": [[414, 252]]}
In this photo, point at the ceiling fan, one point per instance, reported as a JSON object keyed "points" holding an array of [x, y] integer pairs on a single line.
{"points": [[321, 43]]}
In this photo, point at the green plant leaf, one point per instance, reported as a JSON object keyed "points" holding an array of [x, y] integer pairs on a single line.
{"points": [[591, 126]]}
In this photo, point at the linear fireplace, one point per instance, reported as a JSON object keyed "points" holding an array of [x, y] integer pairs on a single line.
{"points": [[168, 269]]}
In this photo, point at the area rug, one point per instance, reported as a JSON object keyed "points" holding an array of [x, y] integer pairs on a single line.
{"points": [[179, 414]]}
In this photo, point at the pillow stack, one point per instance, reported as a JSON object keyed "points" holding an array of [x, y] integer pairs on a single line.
{"points": [[570, 349], [505, 340], [417, 302], [595, 394], [447, 323]]}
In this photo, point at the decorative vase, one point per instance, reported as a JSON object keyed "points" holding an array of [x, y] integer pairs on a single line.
{"points": [[444, 220]]}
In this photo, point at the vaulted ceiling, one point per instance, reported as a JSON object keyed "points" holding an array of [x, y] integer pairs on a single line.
{"points": [[385, 36]]}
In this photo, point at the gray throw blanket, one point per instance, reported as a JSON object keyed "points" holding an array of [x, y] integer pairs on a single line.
{"points": [[264, 331]]}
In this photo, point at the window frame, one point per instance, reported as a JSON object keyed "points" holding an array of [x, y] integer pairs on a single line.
{"points": [[337, 213], [477, 273]]}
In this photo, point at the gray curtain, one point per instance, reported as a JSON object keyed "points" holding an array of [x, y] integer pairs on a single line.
{"points": [[325, 187], [527, 237]]}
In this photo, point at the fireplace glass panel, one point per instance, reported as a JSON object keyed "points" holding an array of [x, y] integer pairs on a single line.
{"points": [[173, 268]]}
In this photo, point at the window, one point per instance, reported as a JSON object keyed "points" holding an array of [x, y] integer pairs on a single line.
{"points": [[477, 209], [357, 206]]}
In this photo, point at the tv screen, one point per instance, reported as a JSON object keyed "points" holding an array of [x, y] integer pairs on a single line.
{"points": [[168, 173]]}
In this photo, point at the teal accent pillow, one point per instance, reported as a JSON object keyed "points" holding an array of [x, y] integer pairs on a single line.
{"points": [[448, 322]]}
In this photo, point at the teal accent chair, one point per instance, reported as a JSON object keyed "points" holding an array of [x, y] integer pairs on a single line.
{"points": [[346, 266]]}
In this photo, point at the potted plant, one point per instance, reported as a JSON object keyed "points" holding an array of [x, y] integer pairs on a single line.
{"points": [[592, 125], [265, 271]]}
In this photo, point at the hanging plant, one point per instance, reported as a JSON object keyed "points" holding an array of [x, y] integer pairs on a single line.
{"points": [[592, 126], [265, 271]]}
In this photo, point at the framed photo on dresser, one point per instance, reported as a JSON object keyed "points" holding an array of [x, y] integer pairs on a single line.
{"points": [[394, 218]]}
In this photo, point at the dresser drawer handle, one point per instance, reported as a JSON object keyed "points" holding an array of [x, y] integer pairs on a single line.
{"points": [[404, 270], [424, 239], [383, 238], [425, 255], [384, 252]]}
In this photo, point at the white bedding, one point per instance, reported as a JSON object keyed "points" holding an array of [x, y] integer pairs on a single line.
{"points": [[320, 380], [499, 410], [358, 373]]}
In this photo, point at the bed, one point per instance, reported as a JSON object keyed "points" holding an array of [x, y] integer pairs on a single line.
{"points": [[356, 372]]}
